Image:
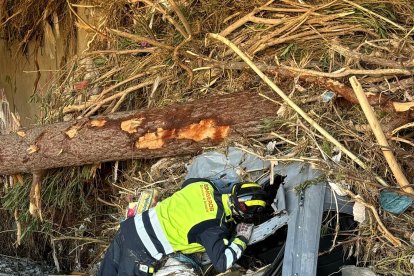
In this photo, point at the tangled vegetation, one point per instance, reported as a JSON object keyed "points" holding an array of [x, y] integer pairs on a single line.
{"points": [[144, 53]]}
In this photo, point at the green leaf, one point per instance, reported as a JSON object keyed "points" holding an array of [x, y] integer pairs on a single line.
{"points": [[99, 61]]}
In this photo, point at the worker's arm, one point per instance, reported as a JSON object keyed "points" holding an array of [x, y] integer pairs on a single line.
{"points": [[222, 252]]}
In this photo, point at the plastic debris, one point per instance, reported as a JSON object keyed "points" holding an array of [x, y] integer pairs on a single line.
{"points": [[359, 212], [225, 170], [337, 157], [328, 96], [146, 199], [337, 188], [281, 111], [270, 147], [394, 203]]}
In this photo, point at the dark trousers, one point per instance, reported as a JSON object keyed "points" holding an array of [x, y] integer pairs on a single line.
{"points": [[126, 255]]}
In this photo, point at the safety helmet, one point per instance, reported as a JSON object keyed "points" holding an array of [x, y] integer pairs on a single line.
{"points": [[248, 199]]}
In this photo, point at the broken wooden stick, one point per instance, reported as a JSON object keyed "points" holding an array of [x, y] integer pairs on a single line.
{"points": [[347, 72], [402, 107], [247, 18], [184, 21], [157, 6], [295, 107], [140, 39], [116, 96], [381, 227], [383, 62], [35, 207], [18, 228], [322, 80], [379, 135]]}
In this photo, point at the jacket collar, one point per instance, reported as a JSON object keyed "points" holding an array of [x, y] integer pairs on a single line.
{"points": [[225, 198]]}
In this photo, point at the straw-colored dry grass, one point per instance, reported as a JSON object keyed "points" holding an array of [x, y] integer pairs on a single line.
{"points": [[148, 53]]}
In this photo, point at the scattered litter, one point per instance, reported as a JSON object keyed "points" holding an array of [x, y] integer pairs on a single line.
{"points": [[270, 147], [281, 111], [328, 96], [394, 202], [337, 157], [146, 199], [359, 212], [337, 188], [272, 173]]}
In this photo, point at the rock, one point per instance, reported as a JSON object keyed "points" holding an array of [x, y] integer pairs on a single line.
{"points": [[16, 266]]}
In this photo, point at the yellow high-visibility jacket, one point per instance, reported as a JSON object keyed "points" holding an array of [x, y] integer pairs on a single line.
{"points": [[194, 219]]}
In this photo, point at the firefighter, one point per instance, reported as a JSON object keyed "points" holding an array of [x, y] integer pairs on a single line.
{"points": [[196, 218]]}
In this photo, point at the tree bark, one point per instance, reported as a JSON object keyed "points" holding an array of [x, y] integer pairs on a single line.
{"points": [[158, 132]]}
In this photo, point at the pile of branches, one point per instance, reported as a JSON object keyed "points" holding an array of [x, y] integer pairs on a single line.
{"points": [[144, 53], [28, 21]]}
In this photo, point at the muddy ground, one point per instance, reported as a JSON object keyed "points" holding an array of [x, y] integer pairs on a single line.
{"points": [[16, 266]]}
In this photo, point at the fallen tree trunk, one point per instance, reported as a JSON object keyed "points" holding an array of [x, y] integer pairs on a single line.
{"points": [[152, 133]]}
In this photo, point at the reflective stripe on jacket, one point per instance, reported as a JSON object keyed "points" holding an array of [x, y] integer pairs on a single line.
{"points": [[194, 219]]}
